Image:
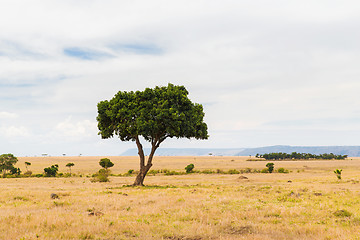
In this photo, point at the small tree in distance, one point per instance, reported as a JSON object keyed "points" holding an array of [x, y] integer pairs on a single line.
{"points": [[103, 174], [69, 165], [154, 115], [106, 163], [189, 168], [7, 162], [338, 173], [270, 167], [26, 165]]}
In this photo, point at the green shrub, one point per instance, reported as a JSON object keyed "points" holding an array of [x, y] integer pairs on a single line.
{"points": [[282, 170], [233, 171], [189, 168], [131, 171], [246, 170], [169, 173], [342, 213], [15, 171], [154, 172], [51, 171], [270, 167], [338, 173], [101, 176], [265, 170]]}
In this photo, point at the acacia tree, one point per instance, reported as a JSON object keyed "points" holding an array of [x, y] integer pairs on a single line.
{"points": [[106, 163], [153, 114], [69, 165], [26, 165], [7, 162]]}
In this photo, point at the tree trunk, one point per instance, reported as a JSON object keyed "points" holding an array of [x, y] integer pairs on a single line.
{"points": [[139, 181]]}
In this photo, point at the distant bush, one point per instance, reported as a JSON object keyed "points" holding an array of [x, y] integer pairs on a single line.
{"points": [[282, 170], [154, 172], [233, 171], [297, 156], [51, 171], [265, 170], [169, 173], [15, 171], [342, 213], [338, 173], [189, 168], [270, 167], [101, 176]]}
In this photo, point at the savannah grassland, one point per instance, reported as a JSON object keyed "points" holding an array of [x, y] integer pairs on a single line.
{"points": [[314, 205]]}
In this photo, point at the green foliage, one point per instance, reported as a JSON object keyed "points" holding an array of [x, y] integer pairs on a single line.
{"points": [[189, 168], [154, 114], [338, 173], [170, 173], [106, 163], [15, 171], [298, 156], [233, 171], [270, 167], [342, 213], [101, 176], [7, 162], [130, 171], [69, 165], [282, 170], [51, 171], [26, 165]]}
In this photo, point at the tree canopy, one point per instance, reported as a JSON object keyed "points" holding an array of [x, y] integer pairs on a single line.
{"points": [[154, 114], [106, 163], [7, 162]]}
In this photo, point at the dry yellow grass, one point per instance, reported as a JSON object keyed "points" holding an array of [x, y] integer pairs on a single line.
{"points": [[194, 206]]}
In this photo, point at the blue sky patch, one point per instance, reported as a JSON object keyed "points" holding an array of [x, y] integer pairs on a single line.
{"points": [[85, 54], [137, 48]]}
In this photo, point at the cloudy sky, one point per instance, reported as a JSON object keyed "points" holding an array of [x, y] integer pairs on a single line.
{"points": [[267, 72]]}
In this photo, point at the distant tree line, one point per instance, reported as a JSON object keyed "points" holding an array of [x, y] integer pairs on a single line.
{"points": [[297, 156]]}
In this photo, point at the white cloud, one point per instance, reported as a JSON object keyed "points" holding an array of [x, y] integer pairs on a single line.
{"points": [[79, 129], [7, 115], [14, 131]]}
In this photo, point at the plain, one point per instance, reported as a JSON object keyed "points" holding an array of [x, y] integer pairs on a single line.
{"points": [[307, 203]]}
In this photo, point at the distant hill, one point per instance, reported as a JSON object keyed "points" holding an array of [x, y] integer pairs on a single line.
{"points": [[187, 151], [351, 151]]}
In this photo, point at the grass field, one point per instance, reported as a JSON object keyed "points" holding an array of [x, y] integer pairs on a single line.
{"points": [[314, 205]]}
